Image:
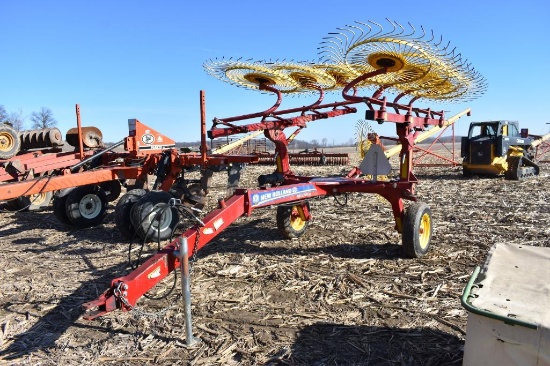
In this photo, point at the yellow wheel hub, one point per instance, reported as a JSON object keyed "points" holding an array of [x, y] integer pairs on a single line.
{"points": [[38, 199], [297, 220], [424, 231], [6, 141]]}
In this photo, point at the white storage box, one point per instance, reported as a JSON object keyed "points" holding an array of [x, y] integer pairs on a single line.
{"points": [[508, 303]]}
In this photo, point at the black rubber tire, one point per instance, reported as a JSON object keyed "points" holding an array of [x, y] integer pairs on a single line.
{"points": [[144, 212], [112, 189], [196, 198], [289, 221], [30, 203], [86, 206], [123, 211], [417, 230], [10, 144], [59, 205], [14, 205]]}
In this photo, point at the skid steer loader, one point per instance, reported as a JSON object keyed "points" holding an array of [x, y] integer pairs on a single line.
{"points": [[499, 148]]}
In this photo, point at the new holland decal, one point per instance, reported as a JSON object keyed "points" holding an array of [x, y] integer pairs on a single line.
{"points": [[297, 192]]}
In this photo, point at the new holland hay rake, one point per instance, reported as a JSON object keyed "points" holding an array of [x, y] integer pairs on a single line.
{"points": [[414, 66]]}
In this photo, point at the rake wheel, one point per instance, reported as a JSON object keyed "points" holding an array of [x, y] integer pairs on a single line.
{"points": [[362, 132], [341, 73], [415, 62], [308, 77], [250, 75]]}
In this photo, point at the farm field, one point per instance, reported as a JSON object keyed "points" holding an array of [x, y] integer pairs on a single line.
{"points": [[342, 294]]}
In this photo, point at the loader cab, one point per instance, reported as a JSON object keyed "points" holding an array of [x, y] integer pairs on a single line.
{"points": [[479, 146]]}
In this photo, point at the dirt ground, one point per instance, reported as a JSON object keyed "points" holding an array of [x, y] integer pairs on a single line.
{"points": [[343, 294]]}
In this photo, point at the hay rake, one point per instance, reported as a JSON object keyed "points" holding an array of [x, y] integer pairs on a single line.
{"points": [[394, 60]]}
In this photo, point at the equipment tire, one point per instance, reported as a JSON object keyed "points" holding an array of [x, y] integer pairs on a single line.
{"points": [[112, 189], [59, 205], [144, 217], [123, 211], [197, 198], [34, 202], [86, 206], [417, 230], [10, 144], [290, 222]]}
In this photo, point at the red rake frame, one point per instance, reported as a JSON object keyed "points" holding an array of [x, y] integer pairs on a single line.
{"points": [[288, 188]]}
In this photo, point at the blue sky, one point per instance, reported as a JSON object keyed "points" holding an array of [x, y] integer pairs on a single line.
{"points": [[143, 59]]}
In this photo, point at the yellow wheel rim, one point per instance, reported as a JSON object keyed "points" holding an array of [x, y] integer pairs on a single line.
{"points": [[296, 218], [424, 231], [6, 141], [38, 199]]}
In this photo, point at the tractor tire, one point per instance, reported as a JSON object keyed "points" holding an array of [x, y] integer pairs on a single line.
{"points": [[417, 230], [9, 142], [33, 202], [86, 206], [59, 205], [153, 218], [290, 222], [112, 189], [123, 211]]}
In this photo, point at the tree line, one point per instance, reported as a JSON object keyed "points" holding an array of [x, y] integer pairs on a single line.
{"points": [[39, 120]]}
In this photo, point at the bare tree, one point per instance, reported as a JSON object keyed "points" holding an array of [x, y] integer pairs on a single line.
{"points": [[324, 142], [16, 120], [3, 114], [43, 119]]}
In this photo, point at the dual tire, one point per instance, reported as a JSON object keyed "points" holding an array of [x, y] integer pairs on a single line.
{"points": [[83, 206], [146, 215]]}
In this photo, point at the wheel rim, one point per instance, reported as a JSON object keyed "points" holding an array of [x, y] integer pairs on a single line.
{"points": [[90, 206], [38, 199], [296, 220], [424, 231], [6, 141], [163, 221]]}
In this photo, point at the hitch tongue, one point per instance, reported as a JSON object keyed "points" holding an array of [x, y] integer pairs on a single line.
{"points": [[99, 307]]}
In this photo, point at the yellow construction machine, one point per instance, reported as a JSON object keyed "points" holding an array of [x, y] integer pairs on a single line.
{"points": [[500, 148]]}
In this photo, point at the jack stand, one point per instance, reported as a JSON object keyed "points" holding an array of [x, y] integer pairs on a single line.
{"points": [[190, 341]]}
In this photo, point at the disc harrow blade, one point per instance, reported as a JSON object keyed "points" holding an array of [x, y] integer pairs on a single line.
{"points": [[91, 137]]}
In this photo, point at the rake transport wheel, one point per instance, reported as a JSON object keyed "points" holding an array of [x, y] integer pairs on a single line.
{"points": [[123, 211], [152, 216], [417, 230], [9, 142], [290, 220], [86, 206]]}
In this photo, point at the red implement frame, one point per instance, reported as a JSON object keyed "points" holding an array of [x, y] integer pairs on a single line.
{"points": [[142, 143], [36, 163], [291, 189]]}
